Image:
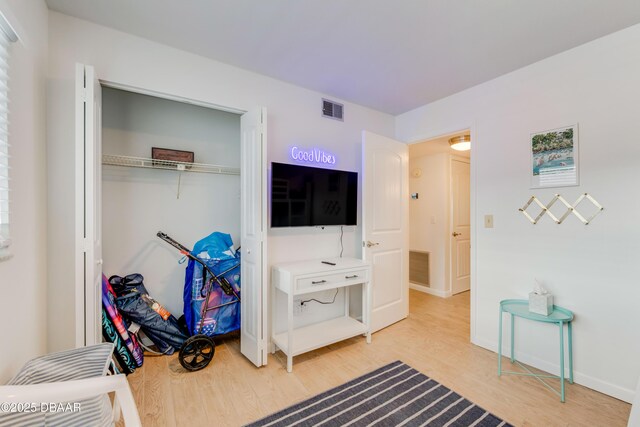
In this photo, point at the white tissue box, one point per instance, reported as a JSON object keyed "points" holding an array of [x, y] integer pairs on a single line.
{"points": [[541, 304]]}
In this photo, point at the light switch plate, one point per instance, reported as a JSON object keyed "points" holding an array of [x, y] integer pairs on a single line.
{"points": [[488, 221]]}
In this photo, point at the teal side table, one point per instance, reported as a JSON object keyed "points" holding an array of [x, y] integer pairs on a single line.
{"points": [[559, 316]]}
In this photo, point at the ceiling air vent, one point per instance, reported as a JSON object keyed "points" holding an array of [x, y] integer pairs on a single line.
{"points": [[332, 109]]}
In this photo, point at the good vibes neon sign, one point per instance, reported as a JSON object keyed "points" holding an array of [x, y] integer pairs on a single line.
{"points": [[312, 155]]}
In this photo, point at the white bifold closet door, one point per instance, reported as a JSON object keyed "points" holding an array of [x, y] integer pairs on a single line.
{"points": [[253, 235], [88, 254], [88, 189]]}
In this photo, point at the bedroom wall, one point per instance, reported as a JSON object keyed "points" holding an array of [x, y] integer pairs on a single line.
{"points": [[592, 269], [293, 119], [23, 278]]}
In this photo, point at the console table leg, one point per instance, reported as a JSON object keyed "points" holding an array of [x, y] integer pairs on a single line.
{"points": [[500, 344], [366, 307], [570, 344], [290, 332], [274, 292], [561, 361]]}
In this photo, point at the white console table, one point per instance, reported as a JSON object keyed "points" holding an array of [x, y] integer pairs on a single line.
{"points": [[299, 278]]}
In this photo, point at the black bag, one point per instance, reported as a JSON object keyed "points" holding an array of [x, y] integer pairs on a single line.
{"points": [[135, 304]]}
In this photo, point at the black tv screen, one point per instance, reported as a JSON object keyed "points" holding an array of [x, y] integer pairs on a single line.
{"points": [[303, 196]]}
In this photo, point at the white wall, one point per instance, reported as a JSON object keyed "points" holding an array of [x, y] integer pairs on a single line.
{"points": [[23, 278], [429, 216], [592, 270], [137, 203], [293, 119]]}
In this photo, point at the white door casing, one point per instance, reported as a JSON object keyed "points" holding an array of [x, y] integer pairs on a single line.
{"points": [[385, 222], [88, 199], [460, 226], [253, 224], [88, 183]]}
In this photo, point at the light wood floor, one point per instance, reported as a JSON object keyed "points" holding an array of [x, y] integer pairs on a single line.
{"points": [[434, 339]]}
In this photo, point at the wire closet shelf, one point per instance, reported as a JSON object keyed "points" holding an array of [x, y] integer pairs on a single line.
{"points": [[142, 162]]}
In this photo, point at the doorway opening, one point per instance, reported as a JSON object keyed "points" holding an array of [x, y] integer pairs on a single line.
{"points": [[439, 218]]}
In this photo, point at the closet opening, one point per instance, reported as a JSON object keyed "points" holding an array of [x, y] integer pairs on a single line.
{"points": [[140, 197], [225, 191]]}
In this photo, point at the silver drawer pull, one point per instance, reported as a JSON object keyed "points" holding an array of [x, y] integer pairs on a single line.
{"points": [[318, 282], [351, 277]]}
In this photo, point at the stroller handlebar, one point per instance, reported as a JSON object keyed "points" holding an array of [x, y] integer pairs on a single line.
{"points": [[224, 284], [166, 238]]}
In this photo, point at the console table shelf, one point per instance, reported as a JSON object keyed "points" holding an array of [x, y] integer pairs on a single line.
{"points": [[320, 334], [305, 277]]}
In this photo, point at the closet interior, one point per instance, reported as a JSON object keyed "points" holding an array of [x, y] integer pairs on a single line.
{"points": [[141, 196]]}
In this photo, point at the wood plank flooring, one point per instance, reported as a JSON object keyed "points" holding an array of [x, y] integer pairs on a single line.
{"points": [[434, 339]]}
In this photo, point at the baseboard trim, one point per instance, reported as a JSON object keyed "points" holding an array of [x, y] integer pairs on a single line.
{"points": [[430, 291], [624, 394]]}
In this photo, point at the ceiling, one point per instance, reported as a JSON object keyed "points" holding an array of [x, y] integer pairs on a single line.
{"points": [[392, 56]]}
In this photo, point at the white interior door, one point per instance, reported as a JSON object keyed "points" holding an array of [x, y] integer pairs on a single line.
{"points": [[88, 263], [385, 222], [460, 226], [253, 223]]}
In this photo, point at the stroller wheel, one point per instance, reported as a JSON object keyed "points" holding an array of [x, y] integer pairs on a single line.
{"points": [[197, 352]]}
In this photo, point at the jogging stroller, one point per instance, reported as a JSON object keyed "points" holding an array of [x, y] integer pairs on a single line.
{"points": [[211, 296]]}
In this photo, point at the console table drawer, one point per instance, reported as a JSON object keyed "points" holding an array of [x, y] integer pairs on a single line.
{"points": [[343, 278]]}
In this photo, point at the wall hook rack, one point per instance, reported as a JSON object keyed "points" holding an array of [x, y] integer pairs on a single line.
{"points": [[571, 209]]}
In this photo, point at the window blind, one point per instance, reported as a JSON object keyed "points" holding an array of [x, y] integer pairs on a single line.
{"points": [[7, 35]]}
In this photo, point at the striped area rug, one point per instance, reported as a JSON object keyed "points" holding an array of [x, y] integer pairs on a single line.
{"points": [[394, 395]]}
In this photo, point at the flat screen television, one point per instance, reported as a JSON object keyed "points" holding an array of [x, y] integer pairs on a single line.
{"points": [[304, 196]]}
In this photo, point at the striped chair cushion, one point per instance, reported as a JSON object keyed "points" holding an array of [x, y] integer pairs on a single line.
{"points": [[76, 364]]}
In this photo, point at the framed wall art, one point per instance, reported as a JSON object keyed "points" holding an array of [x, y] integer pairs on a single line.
{"points": [[554, 157]]}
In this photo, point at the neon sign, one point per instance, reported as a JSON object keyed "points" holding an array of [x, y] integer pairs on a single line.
{"points": [[312, 155]]}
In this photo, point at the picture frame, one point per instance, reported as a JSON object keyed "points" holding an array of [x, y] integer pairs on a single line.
{"points": [[554, 160], [165, 156]]}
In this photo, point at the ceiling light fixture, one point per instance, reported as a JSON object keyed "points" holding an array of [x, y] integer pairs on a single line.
{"points": [[460, 143]]}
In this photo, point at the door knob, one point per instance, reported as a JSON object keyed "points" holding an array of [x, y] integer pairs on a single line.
{"points": [[455, 234], [370, 243]]}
